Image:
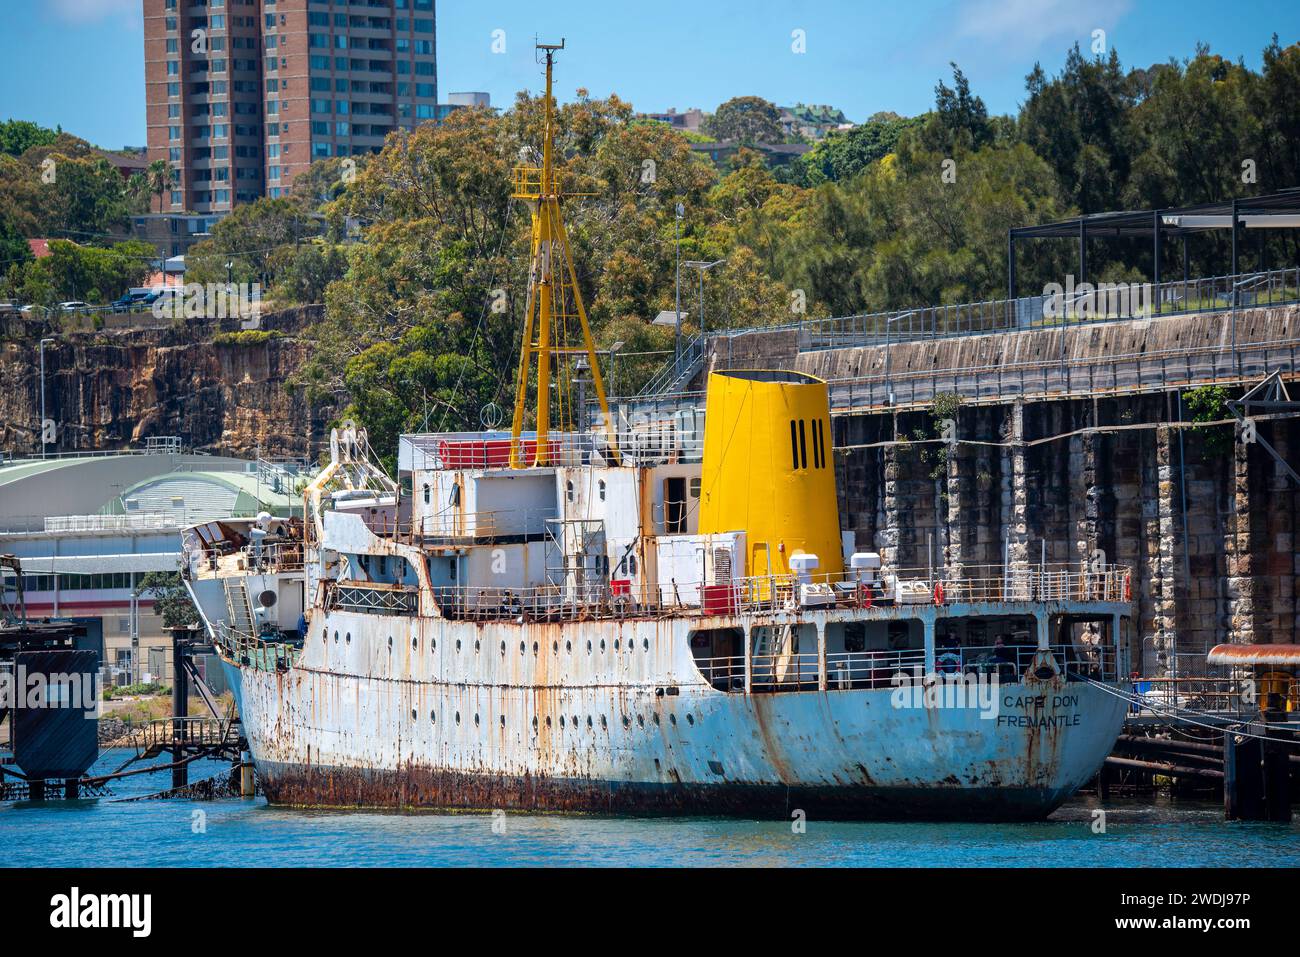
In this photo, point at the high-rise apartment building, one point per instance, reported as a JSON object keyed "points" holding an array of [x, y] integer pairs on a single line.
{"points": [[243, 95]]}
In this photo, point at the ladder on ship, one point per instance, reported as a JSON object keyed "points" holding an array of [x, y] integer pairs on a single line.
{"points": [[576, 562], [239, 614]]}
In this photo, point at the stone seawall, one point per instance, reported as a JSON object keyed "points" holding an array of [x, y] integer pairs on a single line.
{"points": [[1206, 521]]}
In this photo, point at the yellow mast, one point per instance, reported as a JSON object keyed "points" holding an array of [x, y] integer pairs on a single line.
{"points": [[552, 283]]}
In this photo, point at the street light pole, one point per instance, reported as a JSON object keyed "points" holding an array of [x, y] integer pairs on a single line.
{"points": [[613, 366], [677, 304], [889, 363], [43, 341], [702, 267]]}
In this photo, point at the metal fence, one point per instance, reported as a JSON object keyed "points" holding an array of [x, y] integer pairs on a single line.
{"points": [[1069, 377], [1071, 307], [1104, 303]]}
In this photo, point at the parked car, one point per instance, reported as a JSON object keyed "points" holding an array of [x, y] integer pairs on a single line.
{"points": [[133, 300], [75, 305]]}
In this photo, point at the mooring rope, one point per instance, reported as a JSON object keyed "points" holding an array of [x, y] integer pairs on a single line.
{"points": [[1181, 714]]}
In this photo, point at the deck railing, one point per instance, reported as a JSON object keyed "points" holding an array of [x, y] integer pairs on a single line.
{"points": [[877, 669], [772, 593], [251, 651], [270, 559]]}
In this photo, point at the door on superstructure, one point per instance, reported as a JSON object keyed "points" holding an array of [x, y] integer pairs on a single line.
{"points": [[675, 506]]}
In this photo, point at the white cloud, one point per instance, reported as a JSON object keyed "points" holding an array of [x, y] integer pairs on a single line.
{"points": [[1025, 26], [93, 11]]}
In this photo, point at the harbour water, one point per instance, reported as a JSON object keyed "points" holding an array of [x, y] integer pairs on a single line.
{"points": [[246, 832]]}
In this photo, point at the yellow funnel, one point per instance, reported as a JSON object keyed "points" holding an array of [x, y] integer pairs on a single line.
{"points": [[768, 471]]}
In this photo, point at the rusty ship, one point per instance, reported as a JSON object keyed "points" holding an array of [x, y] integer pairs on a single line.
{"points": [[647, 612]]}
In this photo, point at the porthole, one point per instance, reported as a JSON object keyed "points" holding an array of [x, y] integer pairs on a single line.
{"points": [[672, 719], [561, 721], [433, 717], [415, 644], [534, 722], [690, 719], [336, 637], [589, 721], [575, 720], [568, 646], [656, 720], [458, 717], [616, 644], [476, 720], [555, 647], [627, 722], [503, 646], [602, 644], [522, 647], [390, 642], [433, 644], [458, 644], [477, 645], [503, 721], [347, 638], [588, 646], [534, 649], [548, 720], [604, 722], [645, 643], [640, 720], [413, 715]]}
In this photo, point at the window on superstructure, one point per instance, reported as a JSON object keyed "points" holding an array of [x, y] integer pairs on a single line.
{"points": [[426, 493], [601, 489]]}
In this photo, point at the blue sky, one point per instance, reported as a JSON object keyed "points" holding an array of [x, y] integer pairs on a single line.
{"points": [[79, 62]]}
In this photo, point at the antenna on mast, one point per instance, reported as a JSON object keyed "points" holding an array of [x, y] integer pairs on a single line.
{"points": [[554, 300]]}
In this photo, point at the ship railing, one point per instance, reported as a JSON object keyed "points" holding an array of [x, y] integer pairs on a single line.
{"points": [[773, 593], [650, 443], [267, 559], [252, 651], [874, 669], [1076, 660], [372, 598], [486, 526], [1057, 582]]}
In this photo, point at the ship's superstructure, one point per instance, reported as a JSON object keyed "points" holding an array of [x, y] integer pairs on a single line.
{"points": [[656, 613]]}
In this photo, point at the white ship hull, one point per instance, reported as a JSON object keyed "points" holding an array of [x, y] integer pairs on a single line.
{"points": [[631, 726]]}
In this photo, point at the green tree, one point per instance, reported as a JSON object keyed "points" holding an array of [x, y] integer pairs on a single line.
{"points": [[250, 240], [1079, 121], [18, 136], [842, 155], [171, 600], [960, 120], [160, 179], [93, 273], [746, 119]]}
